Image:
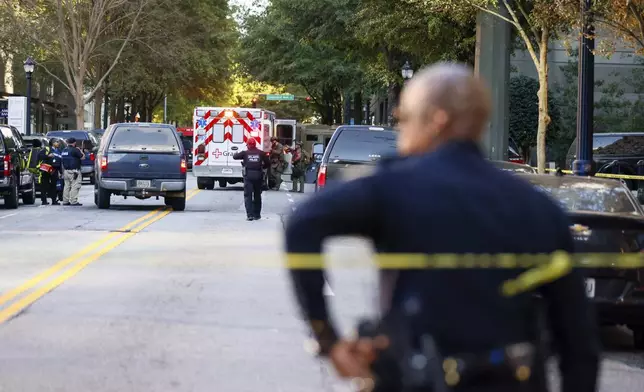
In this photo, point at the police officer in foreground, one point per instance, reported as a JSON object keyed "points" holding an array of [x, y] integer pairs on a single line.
{"points": [[72, 157], [448, 199], [254, 161]]}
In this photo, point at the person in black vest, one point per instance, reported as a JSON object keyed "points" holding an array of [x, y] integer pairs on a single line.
{"points": [[72, 157], [48, 174], [254, 161], [448, 199]]}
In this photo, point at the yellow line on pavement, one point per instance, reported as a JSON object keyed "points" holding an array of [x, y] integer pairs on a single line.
{"points": [[17, 306]]}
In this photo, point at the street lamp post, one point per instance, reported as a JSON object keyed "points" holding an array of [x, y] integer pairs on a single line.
{"points": [[582, 166], [29, 65], [407, 71]]}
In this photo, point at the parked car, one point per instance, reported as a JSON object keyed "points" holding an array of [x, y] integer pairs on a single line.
{"points": [[88, 143], [15, 180], [142, 160], [29, 140], [514, 167], [353, 152], [187, 146], [615, 153], [606, 218]]}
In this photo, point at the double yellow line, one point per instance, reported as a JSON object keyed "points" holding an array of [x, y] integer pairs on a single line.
{"points": [[73, 264]]}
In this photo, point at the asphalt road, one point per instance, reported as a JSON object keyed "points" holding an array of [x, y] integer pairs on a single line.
{"points": [[137, 298]]}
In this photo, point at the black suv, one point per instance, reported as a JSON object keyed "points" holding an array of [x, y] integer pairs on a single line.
{"points": [[15, 180], [616, 153], [353, 151]]}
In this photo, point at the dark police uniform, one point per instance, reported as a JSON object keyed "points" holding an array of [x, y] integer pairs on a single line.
{"points": [[48, 180], [453, 201], [255, 162]]}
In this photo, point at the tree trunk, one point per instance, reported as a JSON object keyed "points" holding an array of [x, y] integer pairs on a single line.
{"points": [[357, 107], [80, 108], [544, 117], [98, 108]]}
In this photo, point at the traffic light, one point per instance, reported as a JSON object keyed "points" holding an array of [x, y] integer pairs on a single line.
{"points": [[254, 102]]}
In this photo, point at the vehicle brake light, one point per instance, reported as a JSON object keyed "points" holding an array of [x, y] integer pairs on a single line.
{"points": [[92, 157], [104, 163], [184, 166], [516, 160], [6, 166], [201, 149], [322, 176]]}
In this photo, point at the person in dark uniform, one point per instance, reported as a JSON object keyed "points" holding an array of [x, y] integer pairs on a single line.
{"points": [[448, 199], [254, 162], [72, 157], [49, 177]]}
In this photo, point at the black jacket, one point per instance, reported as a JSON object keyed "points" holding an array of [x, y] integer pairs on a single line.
{"points": [[453, 201], [255, 161]]}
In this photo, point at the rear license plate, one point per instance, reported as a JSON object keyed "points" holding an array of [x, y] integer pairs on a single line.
{"points": [[227, 171], [142, 184], [590, 288]]}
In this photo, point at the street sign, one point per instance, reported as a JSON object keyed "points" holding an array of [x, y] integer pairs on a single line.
{"points": [[280, 97]]}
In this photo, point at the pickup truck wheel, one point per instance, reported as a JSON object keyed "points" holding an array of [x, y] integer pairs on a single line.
{"points": [[29, 197], [102, 198], [638, 338], [167, 201], [222, 183], [12, 200], [92, 179], [178, 203]]}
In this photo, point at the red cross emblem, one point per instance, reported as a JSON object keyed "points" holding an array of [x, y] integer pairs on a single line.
{"points": [[217, 153]]}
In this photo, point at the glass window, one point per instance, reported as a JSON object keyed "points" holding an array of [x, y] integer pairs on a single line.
{"points": [[238, 133], [311, 138], [144, 138], [613, 145], [591, 197], [363, 146], [8, 137], [218, 133], [285, 134]]}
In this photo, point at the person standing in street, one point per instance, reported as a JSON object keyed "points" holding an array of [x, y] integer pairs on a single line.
{"points": [[277, 163], [57, 163], [299, 162], [254, 162], [72, 157], [443, 113], [48, 175]]}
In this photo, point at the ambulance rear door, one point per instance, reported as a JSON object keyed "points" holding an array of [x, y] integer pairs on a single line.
{"points": [[285, 131]]}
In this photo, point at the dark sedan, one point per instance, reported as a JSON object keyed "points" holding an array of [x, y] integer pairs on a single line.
{"points": [[605, 218]]}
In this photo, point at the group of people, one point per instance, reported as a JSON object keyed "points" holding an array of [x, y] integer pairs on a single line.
{"points": [[255, 163], [53, 161]]}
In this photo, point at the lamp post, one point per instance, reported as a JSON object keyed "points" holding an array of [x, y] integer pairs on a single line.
{"points": [[407, 71], [582, 166], [29, 65], [127, 106]]}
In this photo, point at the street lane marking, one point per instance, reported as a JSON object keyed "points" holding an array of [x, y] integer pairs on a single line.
{"points": [[26, 301], [8, 215], [31, 283]]}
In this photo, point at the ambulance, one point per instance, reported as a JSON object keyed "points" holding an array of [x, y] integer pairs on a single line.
{"points": [[220, 132]]}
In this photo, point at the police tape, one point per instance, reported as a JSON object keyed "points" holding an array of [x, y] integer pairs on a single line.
{"points": [[605, 175], [540, 269]]}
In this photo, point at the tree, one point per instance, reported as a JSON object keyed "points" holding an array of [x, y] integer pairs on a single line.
{"points": [[524, 113], [536, 23], [70, 31], [625, 18]]}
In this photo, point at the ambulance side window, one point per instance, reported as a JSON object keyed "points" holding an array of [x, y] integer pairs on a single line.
{"points": [[218, 133], [238, 133], [285, 134]]}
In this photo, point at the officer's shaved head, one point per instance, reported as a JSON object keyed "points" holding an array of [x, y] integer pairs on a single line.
{"points": [[442, 102]]}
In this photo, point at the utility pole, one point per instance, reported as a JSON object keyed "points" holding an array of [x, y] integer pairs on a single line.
{"points": [[582, 166], [165, 108]]}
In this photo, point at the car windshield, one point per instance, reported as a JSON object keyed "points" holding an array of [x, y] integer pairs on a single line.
{"points": [[363, 146], [589, 196], [144, 139]]}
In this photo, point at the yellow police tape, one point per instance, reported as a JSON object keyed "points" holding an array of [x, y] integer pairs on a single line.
{"points": [[605, 175], [540, 268]]}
